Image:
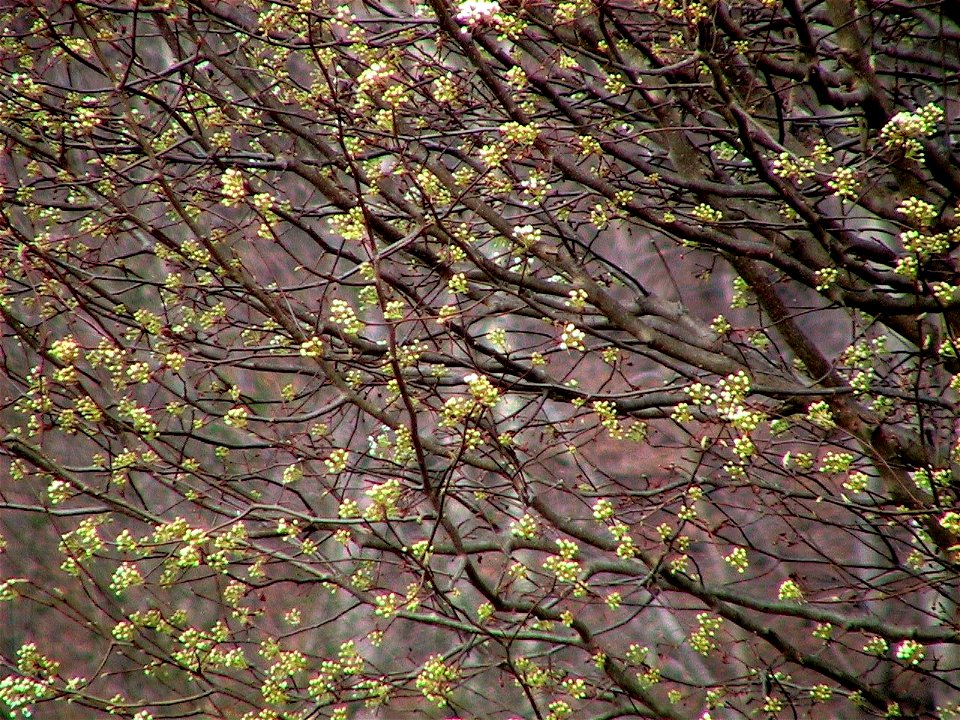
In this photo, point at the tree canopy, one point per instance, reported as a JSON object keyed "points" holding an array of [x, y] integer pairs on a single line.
{"points": [[519, 359]]}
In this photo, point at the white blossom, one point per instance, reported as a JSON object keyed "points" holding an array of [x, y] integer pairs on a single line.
{"points": [[475, 12]]}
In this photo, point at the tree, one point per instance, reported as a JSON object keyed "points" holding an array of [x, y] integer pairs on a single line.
{"points": [[490, 359]]}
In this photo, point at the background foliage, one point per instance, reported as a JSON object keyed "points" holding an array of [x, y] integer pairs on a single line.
{"points": [[529, 359]]}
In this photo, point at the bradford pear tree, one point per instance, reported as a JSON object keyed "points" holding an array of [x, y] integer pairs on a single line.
{"points": [[531, 359]]}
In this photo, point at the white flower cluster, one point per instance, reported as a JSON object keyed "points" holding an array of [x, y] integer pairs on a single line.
{"points": [[475, 12]]}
